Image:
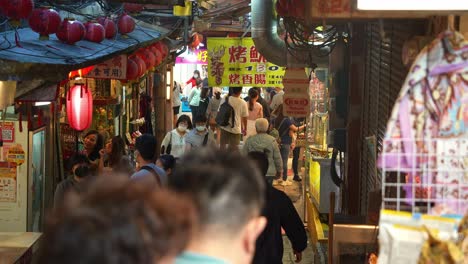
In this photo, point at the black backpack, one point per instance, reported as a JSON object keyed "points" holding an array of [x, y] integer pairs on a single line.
{"points": [[226, 111]]}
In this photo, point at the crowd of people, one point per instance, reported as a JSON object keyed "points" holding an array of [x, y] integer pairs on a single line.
{"points": [[195, 198]]}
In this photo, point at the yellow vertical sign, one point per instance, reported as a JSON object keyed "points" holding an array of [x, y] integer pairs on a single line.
{"points": [[236, 62]]}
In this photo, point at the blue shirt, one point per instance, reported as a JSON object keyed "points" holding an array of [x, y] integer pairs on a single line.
{"points": [[194, 258], [283, 131], [144, 173]]}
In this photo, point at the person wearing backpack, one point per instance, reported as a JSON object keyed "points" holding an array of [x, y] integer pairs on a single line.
{"points": [[200, 136], [145, 150], [232, 119]]}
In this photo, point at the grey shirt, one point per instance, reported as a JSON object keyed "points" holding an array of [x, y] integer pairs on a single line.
{"points": [[195, 140], [267, 144]]}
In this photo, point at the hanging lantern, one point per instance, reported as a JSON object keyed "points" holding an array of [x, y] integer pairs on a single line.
{"points": [[44, 21], [16, 9], [109, 26], [80, 73], [71, 31], [149, 58], [141, 65], [126, 24], [95, 32], [7, 93], [79, 107], [133, 8], [157, 54], [132, 69]]}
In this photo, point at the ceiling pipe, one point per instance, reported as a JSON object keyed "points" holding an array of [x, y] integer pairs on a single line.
{"points": [[268, 42]]}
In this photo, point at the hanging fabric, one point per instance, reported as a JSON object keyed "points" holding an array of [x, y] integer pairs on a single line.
{"points": [[426, 136]]}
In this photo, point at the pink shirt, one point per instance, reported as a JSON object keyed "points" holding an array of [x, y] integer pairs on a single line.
{"points": [[256, 113]]}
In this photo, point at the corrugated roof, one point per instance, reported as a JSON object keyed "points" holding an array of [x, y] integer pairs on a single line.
{"points": [[16, 61]]}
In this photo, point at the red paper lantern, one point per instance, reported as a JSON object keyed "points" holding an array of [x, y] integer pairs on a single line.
{"points": [[95, 32], [132, 69], [109, 26], [79, 107], [44, 21], [80, 72], [16, 9], [71, 31], [157, 54], [141, 65], [126, 24], [133, 8], [149, 58]]}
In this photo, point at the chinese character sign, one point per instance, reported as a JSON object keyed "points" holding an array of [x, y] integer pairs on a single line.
{"points": [[199, 56], [115, 68], [236, 62]]}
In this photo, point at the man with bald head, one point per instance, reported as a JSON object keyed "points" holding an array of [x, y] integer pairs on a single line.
{"points": [[262, 142]]}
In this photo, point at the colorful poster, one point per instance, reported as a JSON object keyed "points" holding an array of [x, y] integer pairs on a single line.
{"points": [[115, 68], [236, 62], [8, 182], [8, 131], [194, 57]]}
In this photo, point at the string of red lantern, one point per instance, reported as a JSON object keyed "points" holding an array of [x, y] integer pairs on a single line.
{"points": [[44, 21], [16, 10]]}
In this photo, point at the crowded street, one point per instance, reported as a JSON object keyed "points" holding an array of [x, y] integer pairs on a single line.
{"points": [[233, 132]]}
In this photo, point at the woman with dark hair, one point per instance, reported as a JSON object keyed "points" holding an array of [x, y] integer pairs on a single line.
{"points": [[204, 101], [167, 163], [174, 141], [255, 112], [93, 142], [194, 98], [114, 157], [286, 130]]}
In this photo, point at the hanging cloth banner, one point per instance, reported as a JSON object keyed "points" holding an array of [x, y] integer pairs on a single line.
{"points": [[236, 62]]}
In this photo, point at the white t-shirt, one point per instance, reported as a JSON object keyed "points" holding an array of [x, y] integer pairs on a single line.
{"points": [[176, 96], [177, 143], [241, 110], [277, 100]]}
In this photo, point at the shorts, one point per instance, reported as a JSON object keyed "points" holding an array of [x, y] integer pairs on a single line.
{"points": [[230, 138], [176, 109]]}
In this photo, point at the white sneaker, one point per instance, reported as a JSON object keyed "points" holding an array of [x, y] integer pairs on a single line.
{"points": [[276, 182], [286, 183]]}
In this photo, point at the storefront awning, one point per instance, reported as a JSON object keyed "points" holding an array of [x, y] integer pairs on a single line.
{"points": [[27, 58]]}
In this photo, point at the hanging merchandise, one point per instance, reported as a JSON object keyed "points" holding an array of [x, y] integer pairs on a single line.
{"points": [[109, 27], [95, 32], [79, 107], [16, 9], [45, 21], [426, 141], [71, 31], [126, 24]]}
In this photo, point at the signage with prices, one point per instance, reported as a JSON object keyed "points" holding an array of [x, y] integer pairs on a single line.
{"points": [[236, 62], [115, 68], [296, 105]]}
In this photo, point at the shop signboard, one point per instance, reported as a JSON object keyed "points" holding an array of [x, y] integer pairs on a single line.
{"points": [[295, 81], [115, 68], [199, 56], [296, 105], [8, 131], [236, 62]]}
